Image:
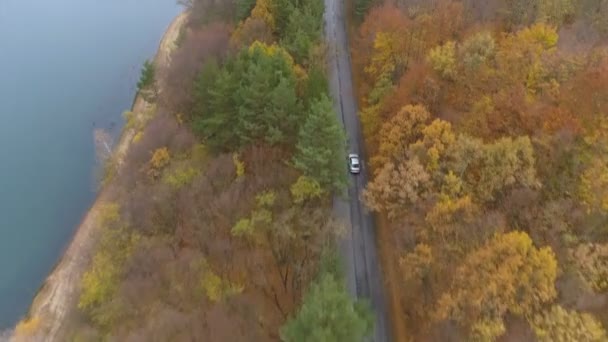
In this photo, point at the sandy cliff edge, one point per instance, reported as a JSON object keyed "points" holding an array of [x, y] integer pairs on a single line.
{"points": [[57, 299]]}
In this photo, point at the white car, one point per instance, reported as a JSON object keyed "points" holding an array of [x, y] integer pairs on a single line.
{"points": [[354, 165]]}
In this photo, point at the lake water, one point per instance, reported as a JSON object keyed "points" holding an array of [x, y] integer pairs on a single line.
{"points": [[66, 68]]}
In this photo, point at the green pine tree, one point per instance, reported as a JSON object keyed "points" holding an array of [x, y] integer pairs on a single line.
{"points": [[283, 113], [316, 85], [203, 84], [243, 9], [321, 145], [303, 30], [328, 313], [147, 76], [217, 127]]}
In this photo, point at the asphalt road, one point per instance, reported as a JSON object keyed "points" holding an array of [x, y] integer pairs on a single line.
{"points": [[358, 247]]}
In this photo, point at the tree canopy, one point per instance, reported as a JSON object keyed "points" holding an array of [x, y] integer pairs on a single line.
{"points": [[328, 314], [508, 274], [321, 146]]}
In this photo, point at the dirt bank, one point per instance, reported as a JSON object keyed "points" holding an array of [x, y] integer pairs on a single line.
{"points": [[56, 302]]}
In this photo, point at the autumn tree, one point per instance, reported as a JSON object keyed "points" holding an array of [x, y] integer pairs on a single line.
{"points": [[421, 275], [477, 50], [399, 132], [293, 234], [506, 275], [380, 38], [591, 260], [320, 147], [556, 12], [436, 138], [388, 58], [305, 189], [396, 187], [519, 56], [489, 169], [593, 181], [250, 31], [561, 325], [102, 280], [198, 50], [264, 10], [328, 314], [451, 222], [443, 60], [371, 114], [520, 12]]}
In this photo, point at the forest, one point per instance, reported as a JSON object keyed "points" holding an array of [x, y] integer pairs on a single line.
{"points": [[219, 226], [487, 127]]}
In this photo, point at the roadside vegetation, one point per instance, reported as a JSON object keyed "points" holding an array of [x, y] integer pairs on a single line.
{"points": [[487, 126], [219, 226]]}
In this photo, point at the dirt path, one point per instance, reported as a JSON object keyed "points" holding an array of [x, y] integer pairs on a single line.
{"points": [[57, 300]]}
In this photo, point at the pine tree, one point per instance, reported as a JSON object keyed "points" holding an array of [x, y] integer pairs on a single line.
{"points": [[320, 147], [243, 9], [217, 126], [328, 314]]}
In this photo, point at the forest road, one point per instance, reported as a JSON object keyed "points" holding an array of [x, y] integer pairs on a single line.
{"points": [[358, 246]]}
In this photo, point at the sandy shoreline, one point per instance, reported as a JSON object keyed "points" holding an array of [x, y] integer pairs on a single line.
{"points": [[56, 301]]}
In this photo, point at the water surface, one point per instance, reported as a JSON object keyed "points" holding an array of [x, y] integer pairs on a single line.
{"points": [[66, 68]]}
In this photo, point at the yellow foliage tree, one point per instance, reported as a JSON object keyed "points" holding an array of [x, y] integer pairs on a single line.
{"points": [[448, 221], [305, 188], [416, 264], [560, 325], [273, 50], [436, 138], [160, 158], [593, 185], [519, 58], [260, 217], [399, 132], [443, 60], [541, 35], [487, 169], [249, 31], [180, 176], [370, 122], [507, 274], [264, 10], [388, 54], [486, 330], [137, 137], [214, 287], [239, 165], [101, 280]]}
